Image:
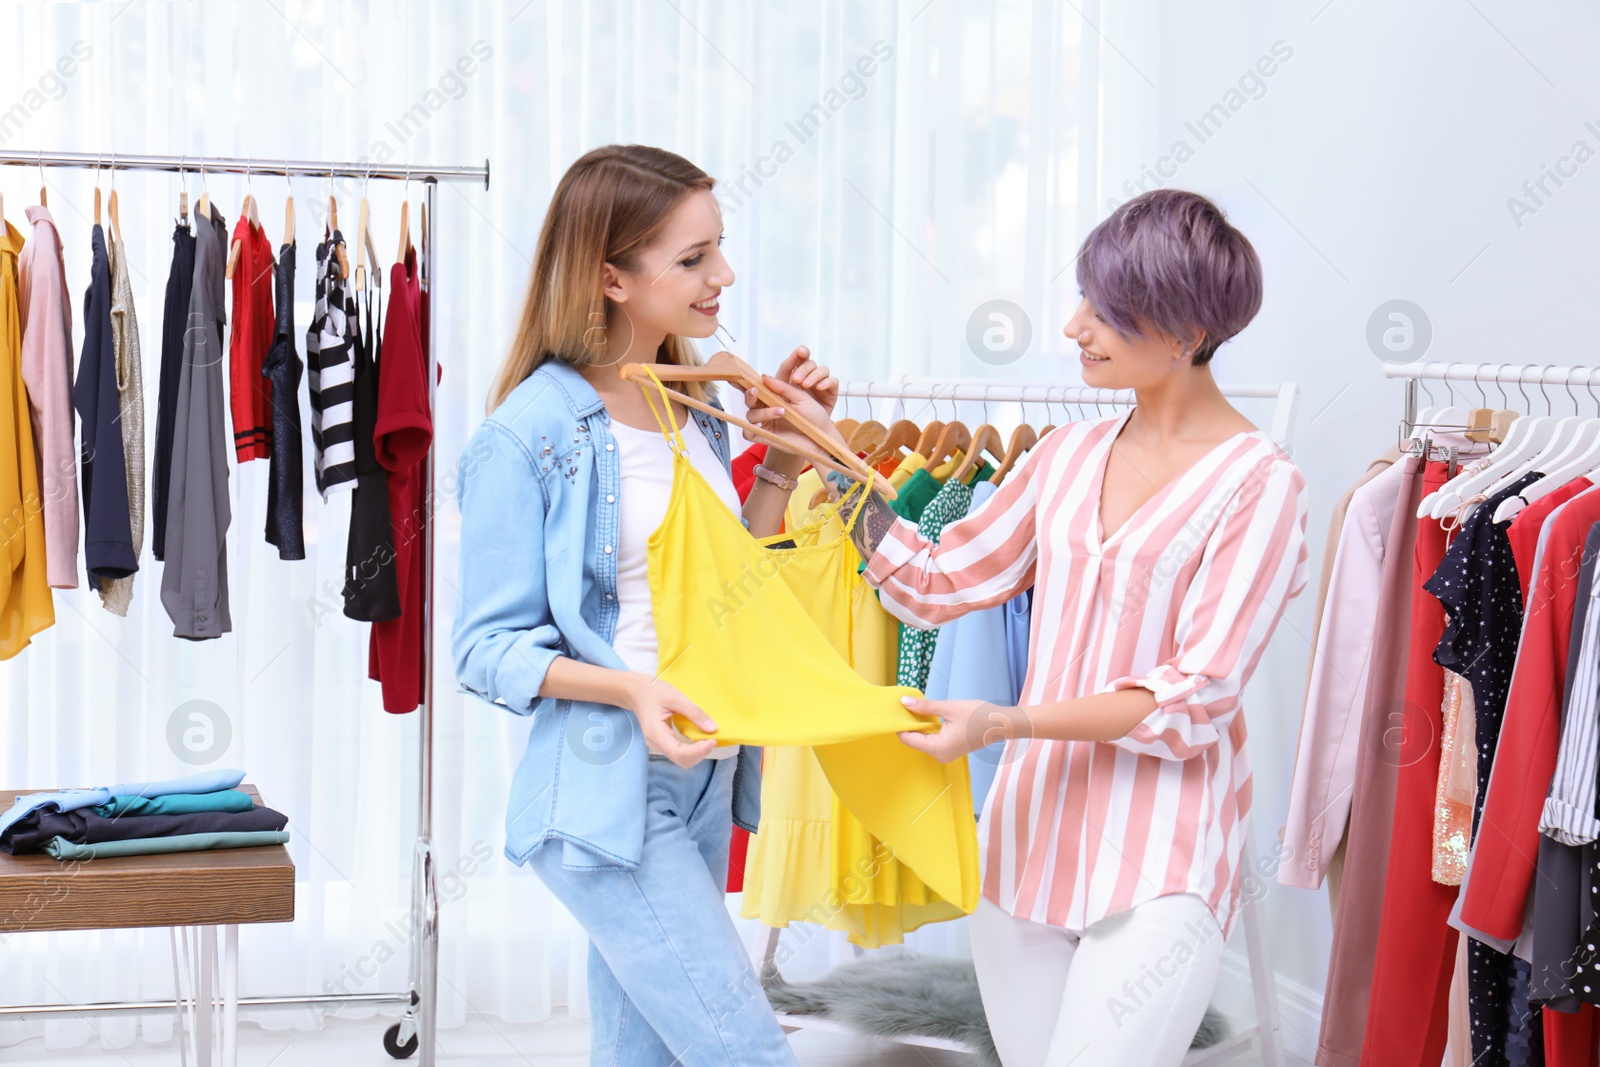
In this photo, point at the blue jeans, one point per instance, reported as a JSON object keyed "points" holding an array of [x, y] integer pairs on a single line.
{"points": [[669, 979]]}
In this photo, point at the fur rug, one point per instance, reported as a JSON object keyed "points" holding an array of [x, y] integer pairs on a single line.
{"points": [[905, 993]]}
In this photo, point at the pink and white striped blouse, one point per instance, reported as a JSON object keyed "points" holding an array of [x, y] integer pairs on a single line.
{"points": [[1180, 600]]}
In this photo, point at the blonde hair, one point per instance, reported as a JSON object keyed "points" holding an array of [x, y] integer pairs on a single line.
{"points": [[609, 205]]}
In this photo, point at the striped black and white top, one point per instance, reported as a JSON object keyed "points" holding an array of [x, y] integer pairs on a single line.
{"points": [[330, 373], [1569, 809]]}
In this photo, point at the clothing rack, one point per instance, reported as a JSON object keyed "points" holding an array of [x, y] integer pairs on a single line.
{"points": [[1496, 374], [1266, 1033], [417, 1026], [953, 390]]}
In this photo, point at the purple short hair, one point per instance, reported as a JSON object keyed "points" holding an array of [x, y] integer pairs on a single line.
{"points": [[1169, 260]]}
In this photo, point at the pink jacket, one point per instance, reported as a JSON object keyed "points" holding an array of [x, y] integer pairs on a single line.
{"points": [[46, 312]]}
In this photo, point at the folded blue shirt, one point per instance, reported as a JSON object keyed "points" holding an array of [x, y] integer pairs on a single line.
{"points": [[62, 849], [73, 799]]}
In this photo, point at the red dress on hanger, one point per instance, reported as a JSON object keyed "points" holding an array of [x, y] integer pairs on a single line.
{"points": [[401, 439]]}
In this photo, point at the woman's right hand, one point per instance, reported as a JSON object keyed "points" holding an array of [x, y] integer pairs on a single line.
{"points": [[654, 703]]}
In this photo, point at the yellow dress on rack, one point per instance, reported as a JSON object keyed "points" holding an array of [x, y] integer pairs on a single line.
{"points": [[26, 605], [813, 860], [758, 637]]}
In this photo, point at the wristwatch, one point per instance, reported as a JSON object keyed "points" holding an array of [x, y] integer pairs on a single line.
{"points": [[782, 481]]}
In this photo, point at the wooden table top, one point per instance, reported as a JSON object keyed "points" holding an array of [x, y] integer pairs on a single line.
{"points": [[225, 885]]}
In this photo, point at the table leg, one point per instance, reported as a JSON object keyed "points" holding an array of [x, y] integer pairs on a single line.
{"points": [[230, 996], [205, 995]]}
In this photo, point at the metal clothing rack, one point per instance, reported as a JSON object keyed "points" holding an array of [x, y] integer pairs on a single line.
{"points": [[1497, 374], [1266, 1034], [417, 1027], [982, 390]]}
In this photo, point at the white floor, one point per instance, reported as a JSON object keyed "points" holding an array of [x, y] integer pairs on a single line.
{"points": [[560, 1042]]}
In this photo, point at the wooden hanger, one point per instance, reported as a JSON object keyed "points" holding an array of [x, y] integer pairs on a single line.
{"points": [[366, 246], [333, 228], [1023, 438], [202, 209], [111, 210], [867, 436], [828, 453], [928, 438], [847, 427], [405, 218], [903, 434], [986, 439], [405, 231], [954, 436], [288, 220], [245, 209]]}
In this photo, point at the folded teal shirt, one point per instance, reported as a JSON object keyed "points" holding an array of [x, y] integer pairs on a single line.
{"points": [[62, 849], [229, 800]]}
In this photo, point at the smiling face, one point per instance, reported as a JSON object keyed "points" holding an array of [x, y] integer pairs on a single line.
{"points": [[1113, 361], [673, 285]]}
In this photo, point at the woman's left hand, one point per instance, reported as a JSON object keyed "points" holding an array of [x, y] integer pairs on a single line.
{"points": [[968, 725], [802, 372]]}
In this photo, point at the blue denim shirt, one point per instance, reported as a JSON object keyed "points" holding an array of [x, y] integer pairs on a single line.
{"points": [[539, 482]]}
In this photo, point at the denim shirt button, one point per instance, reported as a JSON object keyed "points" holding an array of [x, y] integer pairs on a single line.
{"points": [[608, 446], [611, 498], [608, 550]]}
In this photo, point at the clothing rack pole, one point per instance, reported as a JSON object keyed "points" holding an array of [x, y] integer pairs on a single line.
{"points": [[420, 1019], [1266, 1034], [1286, 395], [1496, 373]]}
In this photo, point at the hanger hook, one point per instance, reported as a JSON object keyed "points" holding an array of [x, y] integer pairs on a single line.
{"points": [[1544, 387], [1422, 380], [1483, 398], [1570, 395], [1449, 388], [366, 181], [1527, 405], [42, 182], [249, 171], [1589, 384]]}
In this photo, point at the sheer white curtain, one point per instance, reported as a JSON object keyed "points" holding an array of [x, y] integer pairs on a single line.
{"points": [[885, 169]]}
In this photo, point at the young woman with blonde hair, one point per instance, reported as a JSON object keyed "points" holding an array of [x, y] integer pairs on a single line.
{"points": [[624, 819]]}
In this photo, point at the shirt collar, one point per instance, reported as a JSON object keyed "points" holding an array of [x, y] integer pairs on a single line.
{"points": [[575, 388]]}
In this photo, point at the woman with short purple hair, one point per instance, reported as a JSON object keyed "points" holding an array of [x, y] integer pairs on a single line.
{"points": [[1162, 546]]}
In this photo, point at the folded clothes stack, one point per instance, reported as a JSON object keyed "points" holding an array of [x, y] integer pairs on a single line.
{"points": [[189, 814]]}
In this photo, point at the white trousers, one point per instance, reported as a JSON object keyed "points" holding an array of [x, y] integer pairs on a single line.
{"points": [[1131, 989]]}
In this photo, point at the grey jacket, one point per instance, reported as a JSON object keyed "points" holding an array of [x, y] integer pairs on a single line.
{"points": [[194, 584]]}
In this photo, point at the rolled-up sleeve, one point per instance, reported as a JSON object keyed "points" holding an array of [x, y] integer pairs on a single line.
{"points": [[980, 560], [504, 637], [1253, 564]]}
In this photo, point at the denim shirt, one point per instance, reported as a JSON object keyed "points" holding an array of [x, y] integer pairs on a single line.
{"points": [[539, 482]]}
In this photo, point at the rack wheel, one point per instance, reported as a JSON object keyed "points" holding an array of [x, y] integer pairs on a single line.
{"points": [[392, 1045]]}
